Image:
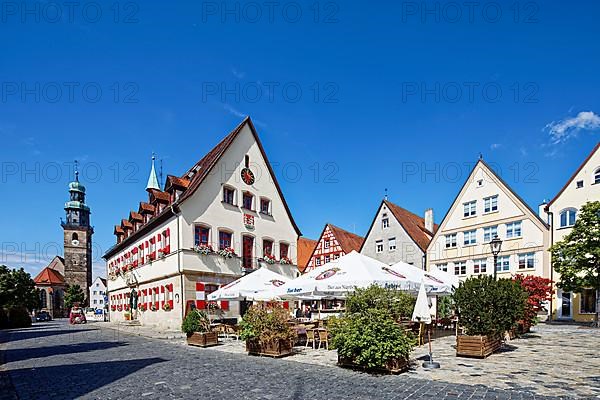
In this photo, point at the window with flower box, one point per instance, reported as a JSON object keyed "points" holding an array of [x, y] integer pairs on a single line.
{"points": [[224, 240], [201, 235], [283, 250], [267, 247]]}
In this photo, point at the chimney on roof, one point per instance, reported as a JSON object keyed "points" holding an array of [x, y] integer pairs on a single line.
{"points": [[542, 212], [429, 219]]}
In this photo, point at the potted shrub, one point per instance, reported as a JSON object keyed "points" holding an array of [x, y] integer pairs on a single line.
{"points": [[203, 249], [196, 326], [270, 259], [368, 336], [227, 252], [487, 308], [127, 316], [267, 332], [166, 306]]}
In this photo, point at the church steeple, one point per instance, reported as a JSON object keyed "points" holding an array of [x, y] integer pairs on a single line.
{"points": [[77, 233], [77, 213], [152, 179]]}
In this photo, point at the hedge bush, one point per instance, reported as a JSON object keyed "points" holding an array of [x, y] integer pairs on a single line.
{"points": [[195, 321], [19, 317], [488, 306], [267, 324]]}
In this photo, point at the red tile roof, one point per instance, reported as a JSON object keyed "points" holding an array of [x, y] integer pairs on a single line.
{"points": [[146, 208], [413, 225], [133, 216], [126, 224], [305, 249], [118, 230], [347, 240], [574, 175], [179, 183], [160, 196], [49, 276]]}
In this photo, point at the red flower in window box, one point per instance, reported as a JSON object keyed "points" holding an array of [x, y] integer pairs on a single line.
{"points": [[204, 249], [270, 259], [126, 307], [142, 307], [285, 261], [227, 252], [119, 308], [113, 307]]}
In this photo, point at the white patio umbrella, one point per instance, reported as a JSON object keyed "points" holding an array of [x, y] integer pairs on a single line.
{"points": [[444, 276], [337, 278], [257, 285], [422, 312], [433, 284]]}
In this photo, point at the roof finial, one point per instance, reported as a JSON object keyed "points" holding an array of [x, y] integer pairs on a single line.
{"points": [[386, 195], [152, 180], [480, 156], [76, 171]]}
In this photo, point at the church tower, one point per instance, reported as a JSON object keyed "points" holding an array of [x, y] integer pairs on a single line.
{"points": [[78, 238]]}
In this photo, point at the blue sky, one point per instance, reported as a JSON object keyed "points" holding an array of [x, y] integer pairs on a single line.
{"points": [[372, 95]]}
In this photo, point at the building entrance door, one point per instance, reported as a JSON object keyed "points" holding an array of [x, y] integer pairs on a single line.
{"points": [[565, 309], [247, 252]]}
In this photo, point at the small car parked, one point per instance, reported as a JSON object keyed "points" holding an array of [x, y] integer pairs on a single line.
{"points": [[77, 316]]}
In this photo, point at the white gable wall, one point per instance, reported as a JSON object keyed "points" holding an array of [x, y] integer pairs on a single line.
{"points": [[406, 249]]}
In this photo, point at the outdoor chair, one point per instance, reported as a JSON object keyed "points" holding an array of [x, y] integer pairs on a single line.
{"points": [[310, 337], [323, 338], [232, 331]]}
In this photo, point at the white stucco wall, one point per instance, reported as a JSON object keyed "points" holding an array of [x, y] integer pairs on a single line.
{"points": [[406, 248], [534, 239]]}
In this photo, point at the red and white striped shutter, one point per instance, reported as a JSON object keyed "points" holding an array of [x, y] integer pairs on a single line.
{"points": [[167, 244], [171, 295], [157, 298], [162, 296], [224, 303], [200, 296]]}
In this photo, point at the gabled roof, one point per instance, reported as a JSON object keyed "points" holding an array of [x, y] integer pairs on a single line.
{"points": [[574, 175], [502, 182], [412, 224], [175, 182], [133, 216], [146, 208], [49, 276], [198, 173], [347, 240], [160, 196], [306, 247]]}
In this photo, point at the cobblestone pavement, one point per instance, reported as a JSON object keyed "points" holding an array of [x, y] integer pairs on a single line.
{"points": [[58, 361]]}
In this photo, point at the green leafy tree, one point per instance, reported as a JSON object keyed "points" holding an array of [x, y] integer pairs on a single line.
{"points": [[577, 257], [17, 289], [74, 295]]}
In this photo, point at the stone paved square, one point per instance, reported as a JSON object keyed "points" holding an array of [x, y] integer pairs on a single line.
{"points": [[44, 361]]}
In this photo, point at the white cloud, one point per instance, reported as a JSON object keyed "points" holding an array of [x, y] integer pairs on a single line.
{"points": [[495, 146], [568, 128], [233, 111], [238, 74]]}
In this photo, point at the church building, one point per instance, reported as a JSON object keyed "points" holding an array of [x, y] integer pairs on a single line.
{"points": [[225, 217]]}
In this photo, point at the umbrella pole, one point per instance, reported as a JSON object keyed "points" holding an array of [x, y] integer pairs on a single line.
{"points": [[430, 364]]}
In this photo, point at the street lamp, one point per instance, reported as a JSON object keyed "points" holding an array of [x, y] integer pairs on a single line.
{"points": [[495, 245]]}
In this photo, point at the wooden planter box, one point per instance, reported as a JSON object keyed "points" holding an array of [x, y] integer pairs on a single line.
{"points": [[394, 366], [277, 348], [477, 346], [203, 339], [522, 328], [512, 334]]}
